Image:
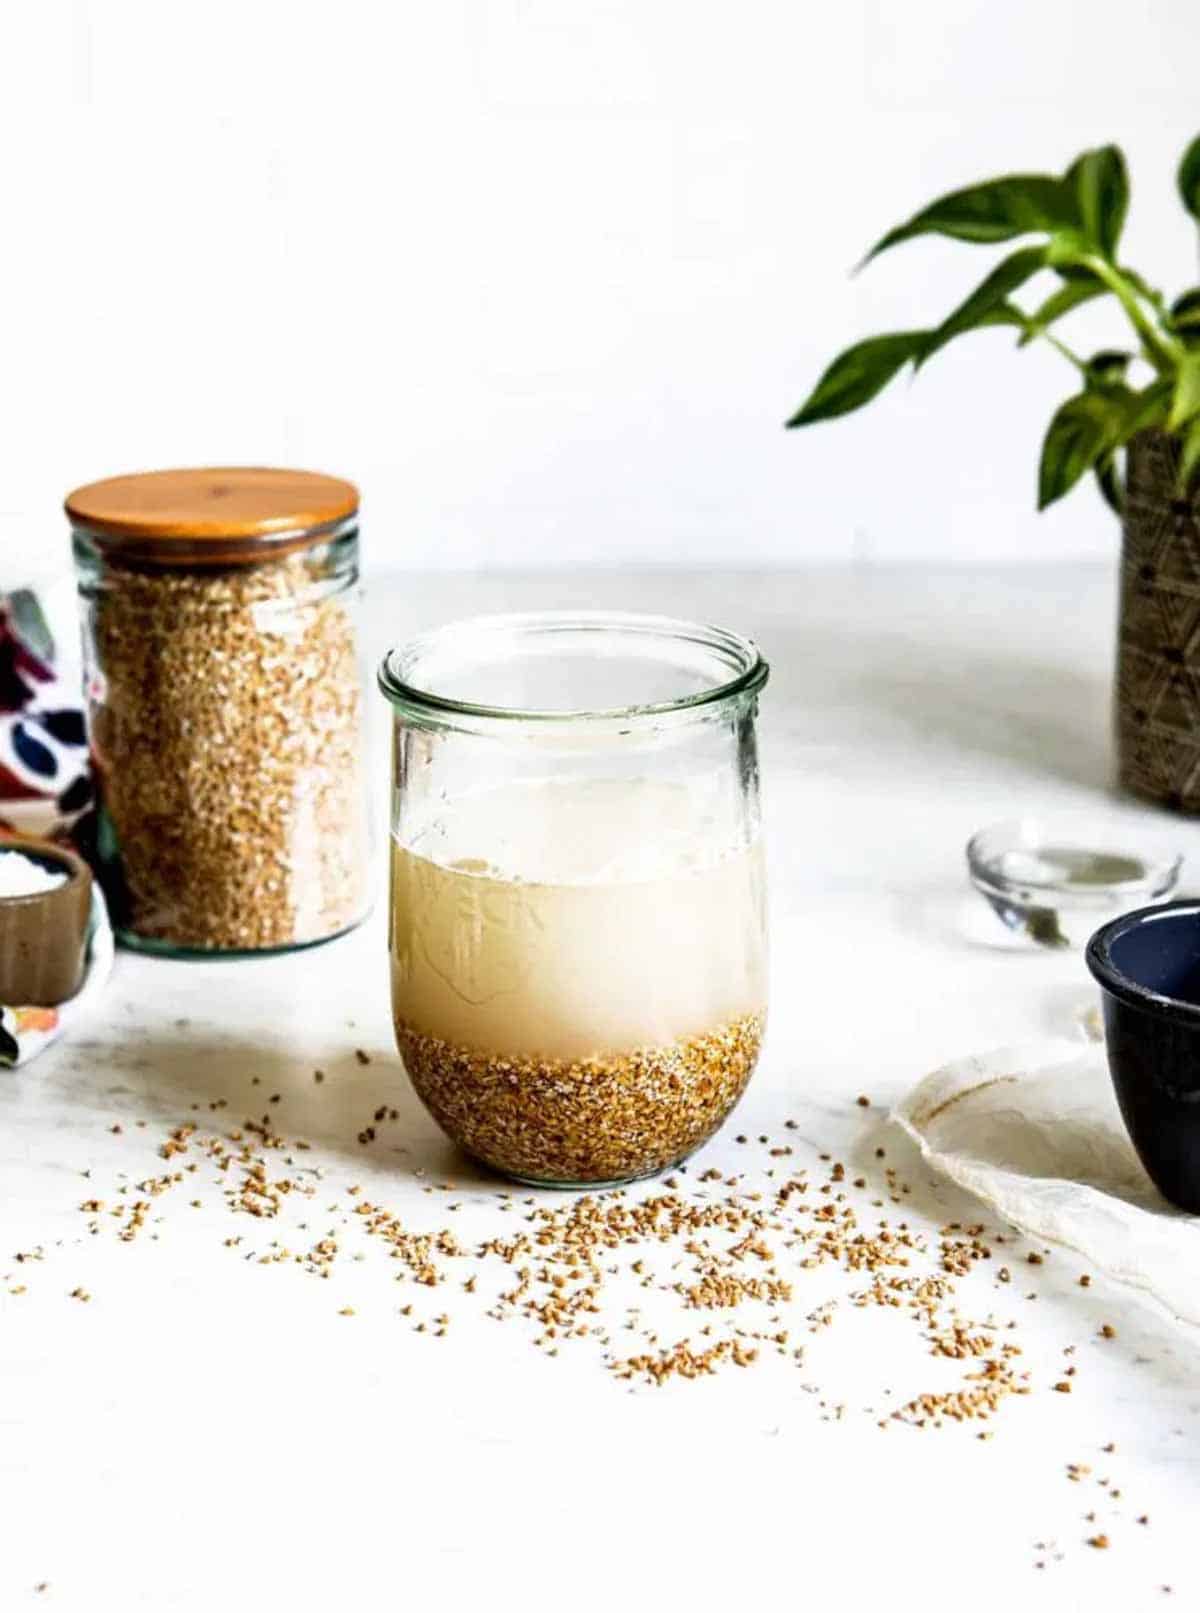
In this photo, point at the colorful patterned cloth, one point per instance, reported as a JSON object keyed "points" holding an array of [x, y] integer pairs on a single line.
{"points": [[45, 791], [45, 779]]}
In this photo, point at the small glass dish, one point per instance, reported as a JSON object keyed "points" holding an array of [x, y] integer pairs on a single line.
{"points": [[1053, 881]]}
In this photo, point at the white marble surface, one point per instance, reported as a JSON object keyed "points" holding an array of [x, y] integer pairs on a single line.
{"points": [[209, 1432]]}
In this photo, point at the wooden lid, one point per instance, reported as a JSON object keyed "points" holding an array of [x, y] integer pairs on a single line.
{"points": [[218, 515]]}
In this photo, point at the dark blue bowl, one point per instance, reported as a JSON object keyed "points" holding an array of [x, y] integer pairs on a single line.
{"points": [[1148, 967]]}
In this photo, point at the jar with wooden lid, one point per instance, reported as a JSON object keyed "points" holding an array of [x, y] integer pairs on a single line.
{"points": [[225, 705]]}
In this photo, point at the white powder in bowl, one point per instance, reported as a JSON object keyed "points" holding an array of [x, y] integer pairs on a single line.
{"points": [[22, 876]]}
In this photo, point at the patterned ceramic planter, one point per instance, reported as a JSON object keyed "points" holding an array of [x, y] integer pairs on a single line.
{"points": [[1158, 649]]}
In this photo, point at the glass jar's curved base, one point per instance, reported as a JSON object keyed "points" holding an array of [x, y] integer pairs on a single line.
{"points": [[153, 946], [587, 1187], [584, 1123]]}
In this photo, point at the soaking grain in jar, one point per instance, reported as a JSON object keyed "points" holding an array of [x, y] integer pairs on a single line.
{"points": [[578, 922], [225, 705]]}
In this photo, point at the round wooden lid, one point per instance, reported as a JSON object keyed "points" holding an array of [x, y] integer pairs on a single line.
{"points": [[218, 515]]}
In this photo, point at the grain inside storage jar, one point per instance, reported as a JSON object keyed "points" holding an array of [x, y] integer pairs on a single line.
{"points": [[225, 705]]}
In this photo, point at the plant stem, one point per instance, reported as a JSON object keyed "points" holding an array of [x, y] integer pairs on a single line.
{"points": [[1162, 354], [1062, 347]]}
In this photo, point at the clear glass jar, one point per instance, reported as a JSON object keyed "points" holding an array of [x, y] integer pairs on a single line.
{"points": [[578, 917], [225, 707]]}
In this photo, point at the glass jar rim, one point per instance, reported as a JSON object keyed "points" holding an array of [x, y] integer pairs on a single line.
{"points": [[741, 656]]}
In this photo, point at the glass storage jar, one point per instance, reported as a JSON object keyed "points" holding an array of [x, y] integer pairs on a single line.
{"points": [[578, 923], [224, 701]]}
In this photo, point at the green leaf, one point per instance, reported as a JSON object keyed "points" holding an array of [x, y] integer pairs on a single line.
{"points": [[1185, 400], [997, 210], [1004, 313], [1188, 178], [1085, 428], [1101, 187], [1062, 265], [1105, 372], [1184, 315], [990, 294], [1148, 408], [858, 374], [1065, 249], [1069, 296], [1151, 293], [1097, 423]]}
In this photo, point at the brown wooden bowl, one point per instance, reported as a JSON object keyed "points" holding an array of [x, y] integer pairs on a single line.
{"points": [[43, 937]]}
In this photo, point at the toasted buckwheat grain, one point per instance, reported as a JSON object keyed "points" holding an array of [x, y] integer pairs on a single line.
{"points": [[592, 1120], [226, 728]]}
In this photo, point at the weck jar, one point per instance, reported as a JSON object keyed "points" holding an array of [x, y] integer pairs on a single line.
{"points": [[578, 917], [224, 697]]}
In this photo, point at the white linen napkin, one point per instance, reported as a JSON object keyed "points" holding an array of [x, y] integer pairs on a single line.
{"points": [[1036, 1133]]}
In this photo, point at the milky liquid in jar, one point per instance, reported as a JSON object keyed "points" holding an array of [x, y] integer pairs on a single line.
{"points": [[577, 935], [584, 1002]]}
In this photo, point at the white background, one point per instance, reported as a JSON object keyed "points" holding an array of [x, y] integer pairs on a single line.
{"points": [[546, 276]]}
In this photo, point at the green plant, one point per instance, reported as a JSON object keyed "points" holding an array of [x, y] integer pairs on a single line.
{"points": [[1079, 217]]}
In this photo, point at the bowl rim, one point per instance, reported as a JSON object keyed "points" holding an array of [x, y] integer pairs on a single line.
{"points": [[1098, 957], [39, 849], [1032, 831]]}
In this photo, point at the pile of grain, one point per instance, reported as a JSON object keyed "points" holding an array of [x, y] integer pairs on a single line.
{"points": [[226, 722], [588, 1121]]}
